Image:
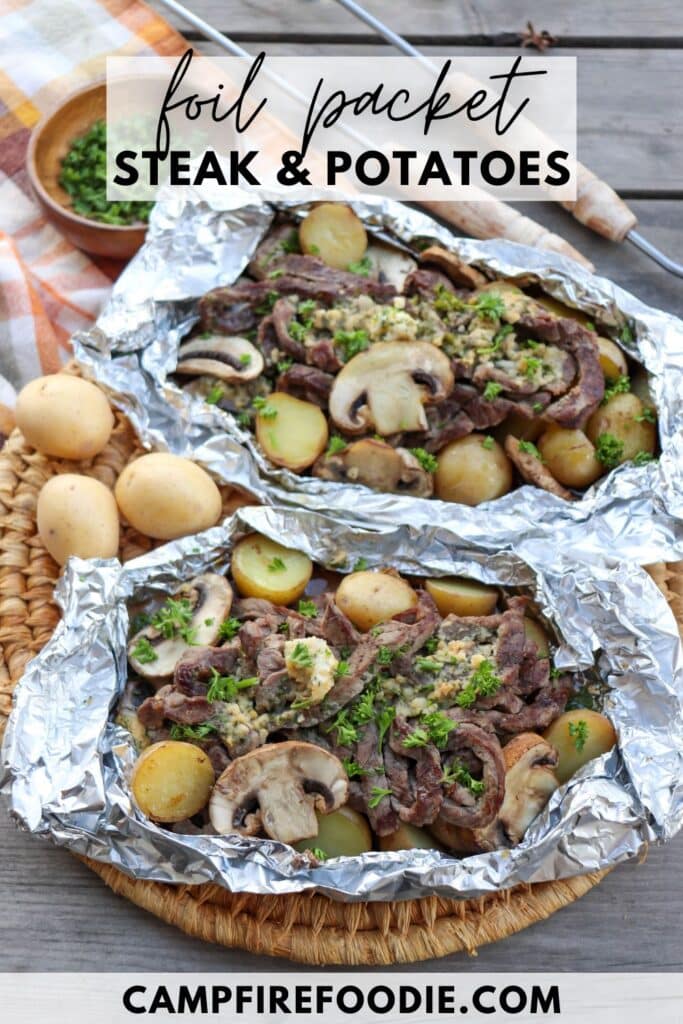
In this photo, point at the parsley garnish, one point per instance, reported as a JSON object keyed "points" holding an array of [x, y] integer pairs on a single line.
{"points": [[191, 732], [305, 307], [487, 443], [377, 794], [417, 738], [301, 656], [492, 390], [385, 656], [428, 664], [431, 645], [266, 306], [144, 652], [360, 565], [646, 416], [384, 720], [626, 335], [319, 854], [342, 668], [642, 458], [529, 448], [337, 444], [308, 609], [489, 306], [457, 772], [621, 386], [276, 564], [344, 728], [446, 301], [483, 683], [291, 242], [228, 629], [609, 450], [438, 727], [214, 395], [174, 619], [268, 412], [426, 459], [227, 687], [352, 342], [297, 330], [276, 273], [353, 769], [284, 364], [362, 266], [531, 367], [537, 407], [579, 733]]}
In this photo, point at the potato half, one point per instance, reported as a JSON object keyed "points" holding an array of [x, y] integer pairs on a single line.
{"points": [[343, 833], [291, 432], [408, 837], [454, 595], [334, 234], [263, 568], [612, 359], [368, 598], [579, 736], [172, 780]]}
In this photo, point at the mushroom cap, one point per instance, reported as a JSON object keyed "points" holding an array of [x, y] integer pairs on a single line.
{"points": [[460, 273], [376, 464], [227, 357], [386, 387], [278, 788], [210, 596]]}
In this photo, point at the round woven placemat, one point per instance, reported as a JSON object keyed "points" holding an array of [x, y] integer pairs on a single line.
{"points": [[308, 928]]}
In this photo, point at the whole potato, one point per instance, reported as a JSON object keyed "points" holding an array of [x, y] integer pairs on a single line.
{"points": [[368, 598], [77, 515], [334, 233], [620, 417], [570, 457], [172, 780], [343, 833], [579, 736], [458, 596], [165, 496], [472, 470], [64, 416], [612, 359]]}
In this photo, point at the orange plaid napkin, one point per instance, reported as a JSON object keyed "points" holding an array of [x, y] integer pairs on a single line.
{"points": [[49, 289]]}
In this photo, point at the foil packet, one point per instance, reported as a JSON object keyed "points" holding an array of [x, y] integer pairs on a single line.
{"points": [[66, 764], [193, 246]]}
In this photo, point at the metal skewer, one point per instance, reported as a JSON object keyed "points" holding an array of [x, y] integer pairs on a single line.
{"points": [[632, 236]]}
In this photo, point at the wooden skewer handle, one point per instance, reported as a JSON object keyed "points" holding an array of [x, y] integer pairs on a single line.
{"points": [[599, 207], [491, 218]]}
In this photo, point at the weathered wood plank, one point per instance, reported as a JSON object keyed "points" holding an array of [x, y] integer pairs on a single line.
{"points": [[611, 19], [630, 129], [60, 917]]}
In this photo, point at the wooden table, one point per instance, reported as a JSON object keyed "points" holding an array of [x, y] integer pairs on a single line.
{"points": [[630, 54]]}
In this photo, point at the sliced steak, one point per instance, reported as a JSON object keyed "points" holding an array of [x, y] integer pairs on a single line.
{"points": [[460, 805], [307, 383], [533, 471]]}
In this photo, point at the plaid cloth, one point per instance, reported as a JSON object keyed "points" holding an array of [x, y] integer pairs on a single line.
{"points": [[49, 289]]}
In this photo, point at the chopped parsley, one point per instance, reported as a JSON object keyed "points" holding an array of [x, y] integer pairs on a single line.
{"points": [[446, 301], [483, 683], [245, 359], [431, 645], [276, 273], [642, 458], [384, 720], [438, 726], [276, 564], [426, 459], [228, 629], [337, 444], [191, 732], [174, 618], [346, 731], [144, 652], [227, 687], [537, 407], [362, 266], [531, 367], [319, 854], [621, 386], [487, 443], [492, 390], [353, 769], [646, 416], [266, 306], [308, 609], [314, 250], [457, 772], [530, 343], [268, 412], [301, 656], [417, 738], [243, 418], [214, 395], [529, 448], [363, 710], [489, 306], [360, 565], [352, 342], [609, 450], [342, 668], [305, 307], [579, 733], [428, 664], [291, 242], [297, 330], [385, 656], [377, 794], [626, 335], [284, 364]]}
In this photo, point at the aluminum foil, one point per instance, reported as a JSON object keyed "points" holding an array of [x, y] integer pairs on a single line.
{"points": [[66, 764], [194, 246]]}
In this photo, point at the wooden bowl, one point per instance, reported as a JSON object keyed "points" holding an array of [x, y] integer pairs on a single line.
{"points": [[49, 143]]}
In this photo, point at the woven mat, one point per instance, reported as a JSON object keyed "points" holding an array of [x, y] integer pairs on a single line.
{"points": [[308, 928]]}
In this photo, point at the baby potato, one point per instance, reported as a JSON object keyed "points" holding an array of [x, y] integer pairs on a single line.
{"points": [[620, 417], [172, 781], [165, 496], [454, 595], [263, 568], [291, 432], [368, 598], [520, 427], [408, 837], [77, 515], [64, 416], [570, 457], [558, 308], [612, 359], [343, 833], [471, 472], [579, 736], [535, 631], [334, 233]]}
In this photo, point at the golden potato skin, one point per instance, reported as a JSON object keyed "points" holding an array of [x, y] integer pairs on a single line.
{"points": [[535, 631], [296, 435], [612, 359], [408, 837], [455, 595], [570, 457], [165, 496], [334, 234], [77, 515], [619, 417], [64, 416], [520, 427], [599, 738], [172, 780], [368, 598], [263, 568], [343, 833], [470, 473]]}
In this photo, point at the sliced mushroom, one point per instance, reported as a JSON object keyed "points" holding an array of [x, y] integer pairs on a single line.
{"points": [[210, 597], [386, 387], [529, 783], [532, 470], [392, 265], [228, 358], [458, 271], [277, 789], [377, 465]]}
